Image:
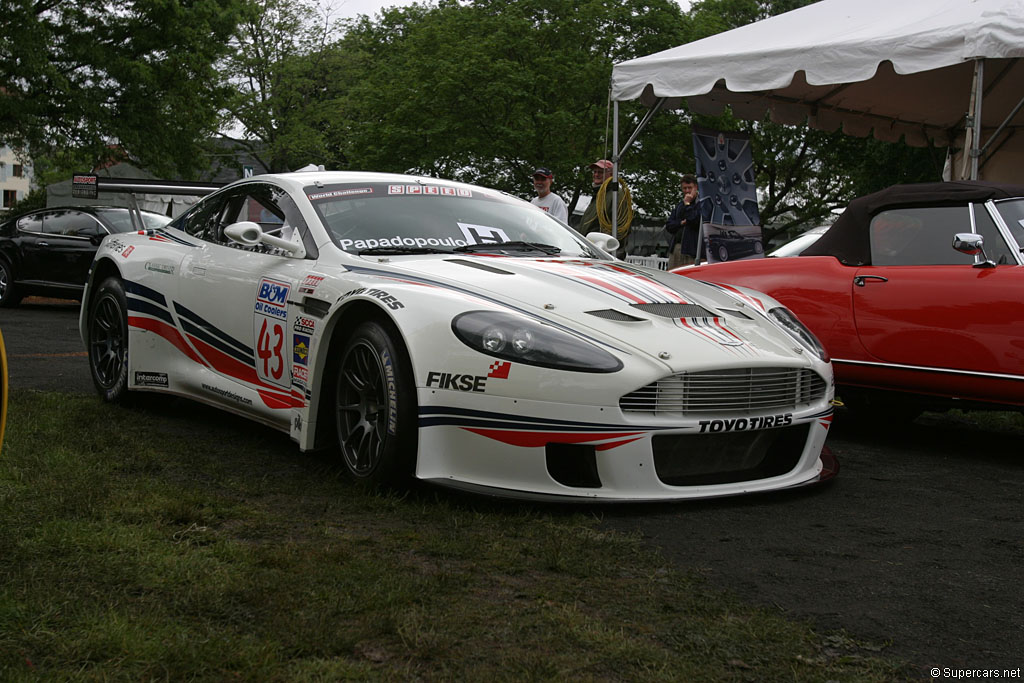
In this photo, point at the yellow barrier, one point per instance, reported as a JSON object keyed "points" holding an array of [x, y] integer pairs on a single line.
{"points": [[3, 388]]}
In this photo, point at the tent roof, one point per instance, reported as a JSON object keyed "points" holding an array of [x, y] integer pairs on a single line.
{"points": [[898, 67]]}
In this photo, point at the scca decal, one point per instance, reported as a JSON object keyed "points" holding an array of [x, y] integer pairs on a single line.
{"points": [[741, 423], [447, 380]]}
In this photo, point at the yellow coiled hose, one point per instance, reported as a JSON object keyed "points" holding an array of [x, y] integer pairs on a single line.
{"points": [[625, 210]]}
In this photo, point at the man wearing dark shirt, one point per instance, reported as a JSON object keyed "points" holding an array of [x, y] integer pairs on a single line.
{"points": [[683, 226]]}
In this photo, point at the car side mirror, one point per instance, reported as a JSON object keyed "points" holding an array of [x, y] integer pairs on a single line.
{"points": [[250, 234], [973, 244], [96, 239], [603, 241]]}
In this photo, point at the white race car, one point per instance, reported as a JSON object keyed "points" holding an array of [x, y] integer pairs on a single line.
{"points": [[431, 329]]}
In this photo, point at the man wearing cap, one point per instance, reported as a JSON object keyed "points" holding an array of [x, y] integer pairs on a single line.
{"points": [[602, 172], [546, 199]]}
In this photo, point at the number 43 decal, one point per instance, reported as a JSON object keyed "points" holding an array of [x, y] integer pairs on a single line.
{"points": [[270, 364]]}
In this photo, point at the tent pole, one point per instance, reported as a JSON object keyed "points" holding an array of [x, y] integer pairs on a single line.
{"points": [[643, 122], [615, 170], [979, 83]]}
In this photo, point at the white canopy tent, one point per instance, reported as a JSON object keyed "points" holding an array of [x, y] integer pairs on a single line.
{"points": [[944, 72]]}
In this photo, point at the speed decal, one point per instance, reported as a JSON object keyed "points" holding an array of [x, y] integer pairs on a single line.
{"points": [[429, 190], [622, 283]]}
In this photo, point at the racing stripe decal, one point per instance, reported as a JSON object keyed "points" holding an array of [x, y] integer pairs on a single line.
{"points": [[622, 283], [441, 415], [403, 277], [168, 332], [203, 343], [538, 439], [737, 293]]}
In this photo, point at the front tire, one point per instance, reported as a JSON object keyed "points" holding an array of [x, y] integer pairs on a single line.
{"points": [[723, 254], [107, 327], [375, 408], [9, 296]]}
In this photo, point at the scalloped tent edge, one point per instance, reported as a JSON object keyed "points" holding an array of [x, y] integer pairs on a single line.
{"points": [[919, 70]]}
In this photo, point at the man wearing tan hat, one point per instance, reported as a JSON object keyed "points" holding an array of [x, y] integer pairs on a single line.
{"points": [[602, 173]]}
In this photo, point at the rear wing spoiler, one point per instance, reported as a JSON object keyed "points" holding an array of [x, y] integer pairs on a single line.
{"points": [[89, 185]]}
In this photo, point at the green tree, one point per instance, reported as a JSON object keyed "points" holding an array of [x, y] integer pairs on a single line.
{"points": [[90, 76], [486, 91], [280, 73]]}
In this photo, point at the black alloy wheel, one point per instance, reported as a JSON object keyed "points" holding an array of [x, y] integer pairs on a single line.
{"points": [[107, 326], [8, 292], [375, 408]]}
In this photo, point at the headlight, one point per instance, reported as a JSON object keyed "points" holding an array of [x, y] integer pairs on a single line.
{"points": [[516, 338], [785, 318]]}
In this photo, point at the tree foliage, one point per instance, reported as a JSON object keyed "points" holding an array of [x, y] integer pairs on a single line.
{"points": [[90, 75], [488, 90], [281, 74]]}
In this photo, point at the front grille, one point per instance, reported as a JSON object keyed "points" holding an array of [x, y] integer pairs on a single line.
{"points": [[724, 391], [729, 457]]}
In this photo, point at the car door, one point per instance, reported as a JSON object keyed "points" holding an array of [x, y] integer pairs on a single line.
{"points": [[236, 301], [73, 238], [29, 264], [58, 246], [923, 304]]}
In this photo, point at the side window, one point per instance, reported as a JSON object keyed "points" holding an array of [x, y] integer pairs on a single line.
{"points": [[995, 245], [919, 236], [72, 224], [33, 223], [271, 208], [203, 220]]}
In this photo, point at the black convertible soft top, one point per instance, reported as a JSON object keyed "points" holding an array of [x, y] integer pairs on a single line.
{"points": [[847, 239]]}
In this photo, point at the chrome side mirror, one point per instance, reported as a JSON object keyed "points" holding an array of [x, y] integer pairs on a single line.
{"points": [[973, 244]]}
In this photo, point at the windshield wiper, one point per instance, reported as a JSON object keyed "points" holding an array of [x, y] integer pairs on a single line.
{"points": [[398, 251], [510, 246]]}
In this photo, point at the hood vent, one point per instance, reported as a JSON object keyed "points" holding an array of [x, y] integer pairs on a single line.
{"points": [[736, 314], [478, 266], [675, 310], [618, 316]]}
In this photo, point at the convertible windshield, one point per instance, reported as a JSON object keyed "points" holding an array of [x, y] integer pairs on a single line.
{"points": [[377, 218], [1012, 212]]}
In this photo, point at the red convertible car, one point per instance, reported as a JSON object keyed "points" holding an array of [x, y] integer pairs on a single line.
{"points": [[917, 293]]}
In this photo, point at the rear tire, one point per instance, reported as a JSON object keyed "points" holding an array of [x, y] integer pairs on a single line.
{"points": [[107, 328], [375, 408], [9, 296]]}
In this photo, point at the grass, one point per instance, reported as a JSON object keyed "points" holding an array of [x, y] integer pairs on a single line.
{"points": [[173, 542]]}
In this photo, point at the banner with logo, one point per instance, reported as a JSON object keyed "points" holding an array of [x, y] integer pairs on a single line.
{"points": [[731, 223]]}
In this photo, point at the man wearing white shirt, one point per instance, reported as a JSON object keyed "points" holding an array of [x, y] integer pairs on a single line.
{"points": [[546, 199]]}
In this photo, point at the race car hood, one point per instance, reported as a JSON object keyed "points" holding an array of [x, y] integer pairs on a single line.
{"points": [[698, 324]]}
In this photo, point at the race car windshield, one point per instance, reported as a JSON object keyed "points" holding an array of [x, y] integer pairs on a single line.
{"points": [[380, 218]]}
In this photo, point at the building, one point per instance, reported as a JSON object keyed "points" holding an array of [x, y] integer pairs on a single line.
{"points": [[15, 177]]}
